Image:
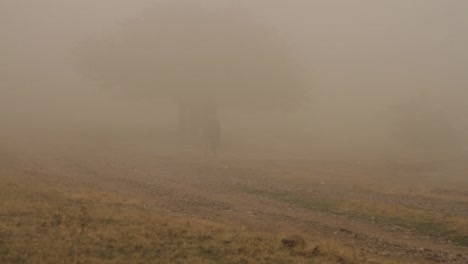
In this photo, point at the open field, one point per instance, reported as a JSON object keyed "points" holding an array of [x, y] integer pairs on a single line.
{"points": [[220, 131], [143, 205]]}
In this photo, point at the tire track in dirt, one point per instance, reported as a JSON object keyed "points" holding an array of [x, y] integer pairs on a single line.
{"points": [[386, 243], [214, 192]]}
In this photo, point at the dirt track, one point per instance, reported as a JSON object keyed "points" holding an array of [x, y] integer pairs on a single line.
{"points": [[278, 196]]}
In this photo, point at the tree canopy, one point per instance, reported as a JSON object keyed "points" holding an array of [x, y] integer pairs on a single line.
{"points": [[189, 52]]}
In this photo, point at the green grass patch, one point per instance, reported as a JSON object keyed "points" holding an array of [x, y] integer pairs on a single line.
{"points": [[420, 222], [423, 225], [460, 240], [314, 203]]}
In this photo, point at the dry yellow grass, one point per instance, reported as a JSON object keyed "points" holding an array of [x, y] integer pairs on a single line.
{"points": [[42, 223], [427, 223]]}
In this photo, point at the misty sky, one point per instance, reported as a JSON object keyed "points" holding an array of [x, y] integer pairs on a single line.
{"points": [[362, 54], [381, 44]]}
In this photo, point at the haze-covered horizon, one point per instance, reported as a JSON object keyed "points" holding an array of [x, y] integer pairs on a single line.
{"points": [[367, 60]]}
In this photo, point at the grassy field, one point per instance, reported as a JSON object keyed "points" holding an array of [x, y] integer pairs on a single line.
{"points": [[89, 209], [42, 224], [436, 224]]}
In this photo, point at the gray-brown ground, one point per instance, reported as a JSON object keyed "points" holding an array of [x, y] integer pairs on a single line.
{"points": [[397, 211]]}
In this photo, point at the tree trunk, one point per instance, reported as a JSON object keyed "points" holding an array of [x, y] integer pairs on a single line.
{"points": [[183, 122], [199, 122]]}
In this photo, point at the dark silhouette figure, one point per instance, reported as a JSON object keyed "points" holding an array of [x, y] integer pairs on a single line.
{"points": [[202, 124], [210, 128], [211, 133]]}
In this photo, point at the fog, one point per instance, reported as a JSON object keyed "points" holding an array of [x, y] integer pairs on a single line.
{"points": [[385, 78]]}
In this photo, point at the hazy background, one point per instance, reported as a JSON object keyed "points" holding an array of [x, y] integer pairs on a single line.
{"points": [[373, 64]]}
